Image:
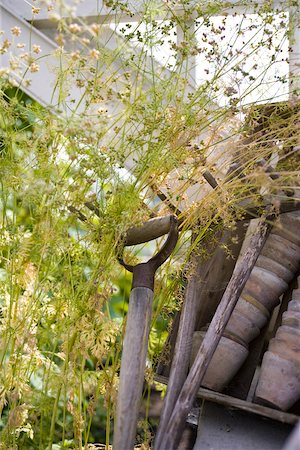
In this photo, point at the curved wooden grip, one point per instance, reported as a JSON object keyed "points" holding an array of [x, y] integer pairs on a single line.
{"points": [[152, 229], [143, 273]]}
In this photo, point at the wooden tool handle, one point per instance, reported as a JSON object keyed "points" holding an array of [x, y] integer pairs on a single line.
{"points": [[132, 367], [149, 230]]}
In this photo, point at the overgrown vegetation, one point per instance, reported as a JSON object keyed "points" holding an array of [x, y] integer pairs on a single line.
{"points": [[164, 98]]}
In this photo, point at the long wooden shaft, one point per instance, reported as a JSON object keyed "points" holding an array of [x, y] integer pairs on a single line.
{"points": [[183, 347], [132, 367], [212, 337]]}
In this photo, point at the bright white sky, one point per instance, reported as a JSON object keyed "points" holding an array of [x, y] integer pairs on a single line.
{"points": [[266, 73]]}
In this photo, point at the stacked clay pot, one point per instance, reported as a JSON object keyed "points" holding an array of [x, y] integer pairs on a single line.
{"points": [[228, 357], [279, 381], [276, 266]]}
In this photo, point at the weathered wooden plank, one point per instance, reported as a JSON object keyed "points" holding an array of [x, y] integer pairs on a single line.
{"points": [[212, 337], [132, 367], [183, 346], [197, 272], [235, 403], [219, 273], [166, 356]]}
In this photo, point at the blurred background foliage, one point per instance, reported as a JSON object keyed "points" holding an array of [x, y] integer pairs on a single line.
{"points": [[45, 263]]}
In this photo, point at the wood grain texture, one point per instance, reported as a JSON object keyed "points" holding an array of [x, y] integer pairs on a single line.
{"points": [[217, 277], [192, 384], [243, 405], [149, 230], [166, 356], [132, 367], [183, 346], [197, 271], [206, 283]]}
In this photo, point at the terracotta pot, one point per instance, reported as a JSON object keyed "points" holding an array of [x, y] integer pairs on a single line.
{"points": [[251, 308], [291, 319], [296, 294], [265, 287], [291, 339], [226, 361], [242, 326], [289, 333], [287, 347], [279, 382], [288, 226], [294, 305], [275, 267], [283, 250]]}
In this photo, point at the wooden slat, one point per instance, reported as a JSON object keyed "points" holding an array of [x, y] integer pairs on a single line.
{"points": [[99, 10], [183, 347], [197, 273], [243, 405], [214, 284]]}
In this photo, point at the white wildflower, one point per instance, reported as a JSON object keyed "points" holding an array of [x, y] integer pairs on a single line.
{"points": [[16, 31], [34, 67], [36, 49], [75, 28], [35, 10], [94, 54]]}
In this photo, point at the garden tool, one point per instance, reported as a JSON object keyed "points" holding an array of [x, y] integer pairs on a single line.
{"points": [[137, 330]]}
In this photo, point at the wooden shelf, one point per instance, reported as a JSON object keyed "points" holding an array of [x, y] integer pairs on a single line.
{"points": [[243, 405]]}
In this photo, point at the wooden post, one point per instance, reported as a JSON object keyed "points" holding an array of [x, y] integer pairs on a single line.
{"points": [[206, 285], [294, 53], [232, 293]]}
